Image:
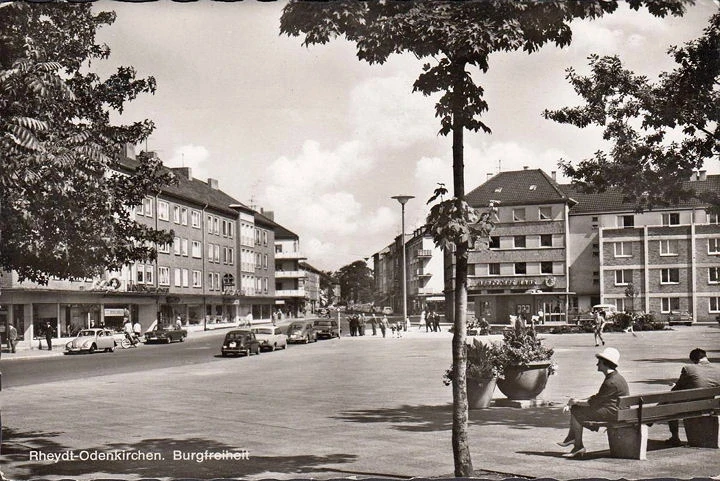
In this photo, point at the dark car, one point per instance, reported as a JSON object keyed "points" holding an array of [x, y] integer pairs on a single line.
{"points": [[682, 317], [301, 331], [326, 329], [240, 342], [166, 334]]}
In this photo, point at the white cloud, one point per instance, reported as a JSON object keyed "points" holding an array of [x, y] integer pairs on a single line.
{"points": [[193, 156]]}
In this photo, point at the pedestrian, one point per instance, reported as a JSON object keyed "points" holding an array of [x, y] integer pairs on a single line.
{"points": [[49, 331], [436, 322], [373, 324], [701, 373], [602, 406], [178, 322], [631, 325], [599, 317], [383, 325], [423, 322], [12, 337], [361, 324], [137, 329]]}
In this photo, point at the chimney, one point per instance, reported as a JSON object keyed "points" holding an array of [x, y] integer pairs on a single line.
{"points": [[554, 175], [489, 176], [702, 175], [213, 183], [525, 167], [183, 172], [129, 150], [269, 214]]}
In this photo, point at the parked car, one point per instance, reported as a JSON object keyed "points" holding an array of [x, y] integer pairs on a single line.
{"points": [[387, 310], [682, 317], [301, 331], [609, 309], [166, 334], [240, 342], [91, 340], [326, 328], [270, 337]]}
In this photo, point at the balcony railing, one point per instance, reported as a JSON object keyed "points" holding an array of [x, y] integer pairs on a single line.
{"points": [[290, 292], [289, 255], [424, 253], [289, 274]]}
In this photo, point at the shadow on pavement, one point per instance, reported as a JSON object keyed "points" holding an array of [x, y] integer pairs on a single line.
{"points": [[677, 360], [657, 382], [439, 417], [164, 457]]}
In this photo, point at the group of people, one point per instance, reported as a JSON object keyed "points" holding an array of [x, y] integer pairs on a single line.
{"points": [[133, 332], [603, 405], [430, 321]]}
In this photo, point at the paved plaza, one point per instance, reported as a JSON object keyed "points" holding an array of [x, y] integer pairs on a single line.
{"points": [[361, 407]]}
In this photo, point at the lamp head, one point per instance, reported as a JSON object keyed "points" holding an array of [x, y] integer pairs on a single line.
{"points": [[403, 198]]}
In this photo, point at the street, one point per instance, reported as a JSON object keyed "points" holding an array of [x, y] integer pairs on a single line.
{"points": [[361, 406]]}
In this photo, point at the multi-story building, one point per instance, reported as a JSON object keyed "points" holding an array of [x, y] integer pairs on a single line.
{"points": [[289, 278], [311, 284], [556, 251], [220, 268]]}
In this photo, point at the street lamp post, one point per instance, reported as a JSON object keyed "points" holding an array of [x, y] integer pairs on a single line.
{"points": [[403, 200]]}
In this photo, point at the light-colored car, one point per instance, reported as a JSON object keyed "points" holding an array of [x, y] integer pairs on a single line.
{"points": [[681, 317], [91, 340], [301, 331], [270, 337], [387, 310], [609, 309]]}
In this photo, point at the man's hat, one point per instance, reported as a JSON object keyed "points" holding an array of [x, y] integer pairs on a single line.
{"points": [[610, 354]]}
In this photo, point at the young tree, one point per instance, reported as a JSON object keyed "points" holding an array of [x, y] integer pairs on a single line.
{"points": [[65, 201], [356, 282], [660, 131], [453, 36]]}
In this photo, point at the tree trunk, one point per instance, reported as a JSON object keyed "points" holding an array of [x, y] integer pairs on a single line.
{"points": [[461, 448]]}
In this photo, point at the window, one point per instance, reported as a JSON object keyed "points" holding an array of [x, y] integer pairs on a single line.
{"points": [[265, 261], [671, 218], [623, 277], [265, 236], [176, 246], [519, 241], [163, 276], [211, 283], [164, 248], [470, 269], [195, 219], [494, 242], [176, 214], [140, 274], [216, 254], [216, 226], [196, 279], [225, 255], [519, 215], [546, 240], [209, 224], [545, 213], [494, 269], [714, 246], [178, 277], [217, 280], [670, 276], [183, 216], [669, 304], [231, 256], [265, 285], [714, 304], [231, 229], [149, 277], [623, 249], [184, 243], [713, 218], [626, 221], [669, 247], [713, 275], [620, 304], [196, 250], [185, 278], [148, 206], [520, 268], [211, 249], [546, 267], [163, 210]]}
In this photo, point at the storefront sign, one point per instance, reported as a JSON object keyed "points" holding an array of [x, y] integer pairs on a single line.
{"points": [[504, 282], [114, 312]]}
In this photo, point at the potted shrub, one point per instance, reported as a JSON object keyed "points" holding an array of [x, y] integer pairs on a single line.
{"points": [[481, 373], [523, 363]]}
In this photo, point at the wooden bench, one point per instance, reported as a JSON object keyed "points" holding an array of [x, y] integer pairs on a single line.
{"points": [[628, 432]]}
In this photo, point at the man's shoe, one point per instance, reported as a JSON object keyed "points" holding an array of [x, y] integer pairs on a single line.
{"points": [[675, 442], [575, 453]]}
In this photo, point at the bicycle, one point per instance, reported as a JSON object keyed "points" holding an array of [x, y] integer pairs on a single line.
{"points": [[128, 342]]}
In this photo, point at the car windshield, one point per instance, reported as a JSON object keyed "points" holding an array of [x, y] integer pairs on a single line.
{"points": [[296, 328], [236, 336], [263, 330], [86, 332], [323, 323]]}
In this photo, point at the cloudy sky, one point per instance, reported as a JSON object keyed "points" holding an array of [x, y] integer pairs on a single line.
{"points": [[324, 140]]}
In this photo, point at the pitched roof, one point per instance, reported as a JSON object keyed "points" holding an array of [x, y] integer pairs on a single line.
{"points": [[518, 187]]}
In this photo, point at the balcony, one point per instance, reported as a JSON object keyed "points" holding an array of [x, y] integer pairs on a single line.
{"points": [[289, 255], [289, 274], [427, 291], [422, 273], [424, 253], [290, 293]]}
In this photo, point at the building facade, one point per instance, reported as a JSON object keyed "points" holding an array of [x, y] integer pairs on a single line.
{"points": [[290, 291]]}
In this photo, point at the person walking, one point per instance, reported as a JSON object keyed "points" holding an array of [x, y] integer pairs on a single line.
{"points": [[137, 330], [436, 322], [701, 373], [373, 324], [423, 322], [383, 325], [599, 317], [12, 337], [631, 325], [602, 406], [49, 331]]}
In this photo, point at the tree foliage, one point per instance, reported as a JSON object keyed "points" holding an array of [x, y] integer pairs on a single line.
{"points": [[451, 36], [357, 283], [64, 205], [660, 132]]}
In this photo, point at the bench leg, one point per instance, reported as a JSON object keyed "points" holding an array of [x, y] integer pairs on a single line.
{"points": [[628, 442], [703, 432]]}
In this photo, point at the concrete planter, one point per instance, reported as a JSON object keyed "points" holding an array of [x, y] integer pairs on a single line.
{"points": [[480, 392], [524, 382]]}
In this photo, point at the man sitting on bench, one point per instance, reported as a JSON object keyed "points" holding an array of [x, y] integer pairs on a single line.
{"points": [[701, 373], [599, 407]]}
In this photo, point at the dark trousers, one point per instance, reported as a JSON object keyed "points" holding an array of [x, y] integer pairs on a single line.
{"points": [[49, 342]]}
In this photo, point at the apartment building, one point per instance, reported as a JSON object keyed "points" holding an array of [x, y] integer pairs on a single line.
{"points": [[290, 294], [555, 252], [219, 269]]}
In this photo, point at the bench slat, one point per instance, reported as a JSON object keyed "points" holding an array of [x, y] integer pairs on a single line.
{"points": [[664, 410], [626, 402]]}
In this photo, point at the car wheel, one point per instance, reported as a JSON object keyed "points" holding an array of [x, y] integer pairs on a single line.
{"points": [[307, 339], [168, 340], [272, 348], [182, 338], [223, 354], [92, 349]]}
